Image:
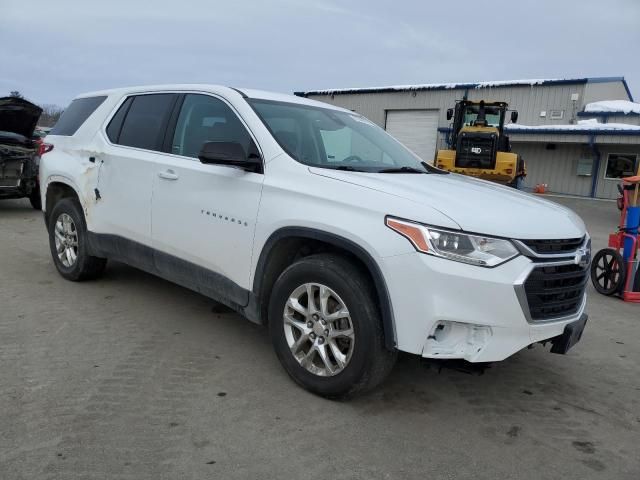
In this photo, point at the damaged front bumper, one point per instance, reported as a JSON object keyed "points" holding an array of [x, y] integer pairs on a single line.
{"points": [[570, 336], [18, 171], [449, 310]]}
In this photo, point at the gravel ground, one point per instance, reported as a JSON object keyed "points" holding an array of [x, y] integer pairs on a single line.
{"points": [[132, 377]]}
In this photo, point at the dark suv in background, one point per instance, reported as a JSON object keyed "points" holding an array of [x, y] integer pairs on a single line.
{"points": [[19, 150]]}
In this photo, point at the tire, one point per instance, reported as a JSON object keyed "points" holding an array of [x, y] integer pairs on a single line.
{"points": [[608, 272], [68, 213], [366, 362], [35, 200]]}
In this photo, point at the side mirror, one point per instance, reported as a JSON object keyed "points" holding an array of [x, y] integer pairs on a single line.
{"points": [[449, 113], [231, 154], [514, 116]]}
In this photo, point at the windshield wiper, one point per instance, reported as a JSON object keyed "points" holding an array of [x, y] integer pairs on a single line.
{"points": [[401, 170], [431, 169], [348, 168]]}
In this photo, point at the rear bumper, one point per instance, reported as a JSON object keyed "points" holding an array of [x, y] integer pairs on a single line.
{"points": [[15, 192]]}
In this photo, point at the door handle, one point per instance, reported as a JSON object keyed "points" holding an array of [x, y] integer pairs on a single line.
{"points": [[168, 175]]}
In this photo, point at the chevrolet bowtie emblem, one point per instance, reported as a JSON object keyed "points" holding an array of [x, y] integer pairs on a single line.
{"points": [[582, 257]]}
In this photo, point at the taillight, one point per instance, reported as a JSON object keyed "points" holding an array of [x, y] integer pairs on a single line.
{"points": [[509, 171], [44, 148]]}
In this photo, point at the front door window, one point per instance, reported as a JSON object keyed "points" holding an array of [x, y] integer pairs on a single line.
{"points": [[207, 119]]}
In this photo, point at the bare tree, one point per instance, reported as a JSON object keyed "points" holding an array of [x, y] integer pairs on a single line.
{"points": [[50, 112], [50, 115]]}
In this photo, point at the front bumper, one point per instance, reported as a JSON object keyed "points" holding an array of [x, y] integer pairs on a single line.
{"points": [[450, 310]]}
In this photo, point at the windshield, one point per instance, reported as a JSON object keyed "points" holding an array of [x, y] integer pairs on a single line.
{"points": [[326, 138], [492, 116]]}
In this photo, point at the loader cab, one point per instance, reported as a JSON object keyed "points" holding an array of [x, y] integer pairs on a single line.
{"points": [[477, 132], [479, 116], [477, 144]]}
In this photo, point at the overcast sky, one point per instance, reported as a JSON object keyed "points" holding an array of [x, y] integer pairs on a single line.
{"points": [[52, 50]]}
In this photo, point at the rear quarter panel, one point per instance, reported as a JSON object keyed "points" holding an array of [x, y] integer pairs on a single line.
{"points": [[68, 162]]}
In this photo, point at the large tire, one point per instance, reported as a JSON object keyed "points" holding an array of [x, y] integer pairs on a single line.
{"points": [[35, 200], [72, 258], [366, 361]]}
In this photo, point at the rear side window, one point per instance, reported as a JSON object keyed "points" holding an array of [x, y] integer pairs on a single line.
{"points": [[145, 122], [115, 125], [75, 115]]}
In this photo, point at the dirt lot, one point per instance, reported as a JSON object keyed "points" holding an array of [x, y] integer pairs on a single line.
{"points": [[133, 377]]}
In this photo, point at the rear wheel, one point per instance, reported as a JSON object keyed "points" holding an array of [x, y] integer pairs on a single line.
{"points": [[326, 327], [608, 271], [68, 242]]}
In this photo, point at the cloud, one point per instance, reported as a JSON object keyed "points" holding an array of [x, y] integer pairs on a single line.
{"points": [[54, 50]]}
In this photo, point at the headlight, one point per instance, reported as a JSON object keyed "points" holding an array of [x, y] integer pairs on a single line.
{"points": [[461, 247]]}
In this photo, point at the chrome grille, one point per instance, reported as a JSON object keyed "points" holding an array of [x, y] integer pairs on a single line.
{"points": [[569, 245], [555, 287], [555, 291]]}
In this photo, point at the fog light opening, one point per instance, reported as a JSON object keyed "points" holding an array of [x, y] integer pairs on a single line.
{"points": [[456, 340]]}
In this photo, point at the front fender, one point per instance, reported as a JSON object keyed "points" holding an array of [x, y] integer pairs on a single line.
{"points": [[342, 243]]}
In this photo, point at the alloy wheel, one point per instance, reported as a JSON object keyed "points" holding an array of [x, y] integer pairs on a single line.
{"points": [[318, 329], [66, 240]]}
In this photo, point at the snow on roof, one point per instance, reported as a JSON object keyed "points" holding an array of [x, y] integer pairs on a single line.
{"points": [[583, 126], [531, 82], [446, 86], [613, 106]]}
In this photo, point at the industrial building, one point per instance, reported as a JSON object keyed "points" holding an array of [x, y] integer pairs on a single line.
{"points": [[578, 136]]}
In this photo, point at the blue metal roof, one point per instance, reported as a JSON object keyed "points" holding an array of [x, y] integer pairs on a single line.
{"points": [[606, 114]]}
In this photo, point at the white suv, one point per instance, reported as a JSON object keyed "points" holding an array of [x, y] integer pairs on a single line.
{"points": [[313, 220]]}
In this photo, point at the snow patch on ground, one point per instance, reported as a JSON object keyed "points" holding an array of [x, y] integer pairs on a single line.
{"points": [[616, 106]]}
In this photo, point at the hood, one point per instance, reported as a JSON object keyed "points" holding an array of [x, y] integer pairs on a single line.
{"points": [[18, 115], [475, 205]]}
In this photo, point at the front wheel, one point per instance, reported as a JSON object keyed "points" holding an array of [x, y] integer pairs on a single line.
{"points": [[326, 328]]}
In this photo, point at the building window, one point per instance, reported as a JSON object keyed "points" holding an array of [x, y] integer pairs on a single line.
{"points": [[556, 114], [585, 167], [621, 165]]}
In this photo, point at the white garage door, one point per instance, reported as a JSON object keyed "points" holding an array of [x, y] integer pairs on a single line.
{"points": [[416, 129]]}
